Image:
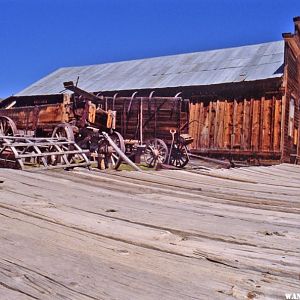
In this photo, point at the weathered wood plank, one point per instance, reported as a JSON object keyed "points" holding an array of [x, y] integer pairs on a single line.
{"points": [[94, 235]]}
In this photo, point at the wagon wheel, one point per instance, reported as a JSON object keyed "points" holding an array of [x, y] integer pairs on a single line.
{"points": [[156, 152], [63, 130], [7, 126], [107, 156], [179, 155]]}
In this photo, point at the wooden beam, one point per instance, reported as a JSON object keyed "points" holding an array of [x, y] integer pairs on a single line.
{"points": [[293, 41]]}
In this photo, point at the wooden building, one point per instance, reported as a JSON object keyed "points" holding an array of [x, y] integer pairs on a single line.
{"points": [[244, 101], [259, 119]]}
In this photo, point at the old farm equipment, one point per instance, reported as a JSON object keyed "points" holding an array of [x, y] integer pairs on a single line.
{"points": [[153, 128], [26, 139], [48, 153], [157, 125], [98, 135], [52, 131]]}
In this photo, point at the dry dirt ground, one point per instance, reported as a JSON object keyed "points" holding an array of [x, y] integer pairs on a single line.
{"points": [[208, 234]]}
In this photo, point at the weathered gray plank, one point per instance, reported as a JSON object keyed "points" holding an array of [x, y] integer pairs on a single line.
{"points": [[169, 235]]}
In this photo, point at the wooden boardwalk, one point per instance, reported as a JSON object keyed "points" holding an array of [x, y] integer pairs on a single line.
{"points": [[215, 234]]}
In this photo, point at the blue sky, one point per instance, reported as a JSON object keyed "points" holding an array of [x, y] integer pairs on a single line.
{"points": [[39, 36]]}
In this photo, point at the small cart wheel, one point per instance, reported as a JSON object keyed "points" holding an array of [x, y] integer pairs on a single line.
{"points": [[156, 152], [64, 130], [7, 126], [179, 155], [108, 158]]}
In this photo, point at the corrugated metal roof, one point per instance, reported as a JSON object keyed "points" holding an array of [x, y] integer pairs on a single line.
{"points": [[247, 63]]}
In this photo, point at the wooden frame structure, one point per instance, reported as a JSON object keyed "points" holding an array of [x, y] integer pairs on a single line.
{"points": [[141, 118]]}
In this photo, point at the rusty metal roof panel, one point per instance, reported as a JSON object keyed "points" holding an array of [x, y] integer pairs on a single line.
{"points": [[246, 63]]}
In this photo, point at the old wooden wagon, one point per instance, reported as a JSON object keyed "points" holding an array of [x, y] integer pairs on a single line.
{"points": [[154, 128], [50, 131]]}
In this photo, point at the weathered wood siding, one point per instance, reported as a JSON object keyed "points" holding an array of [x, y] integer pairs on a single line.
{"points": [[240, 125], [292, 88], [32, 117], [170, 115]]}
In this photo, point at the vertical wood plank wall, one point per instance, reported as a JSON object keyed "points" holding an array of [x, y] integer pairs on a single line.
{"points": [[169, 116], [291, 143], [249, 124]]}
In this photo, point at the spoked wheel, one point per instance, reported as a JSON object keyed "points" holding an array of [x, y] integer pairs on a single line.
{"points": [[156, 152], [7, 126], [179, 155], [108, 158], [61, 131], [64, 130]]}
